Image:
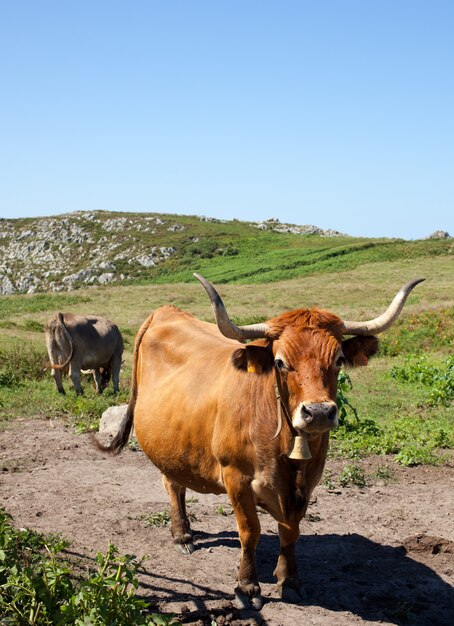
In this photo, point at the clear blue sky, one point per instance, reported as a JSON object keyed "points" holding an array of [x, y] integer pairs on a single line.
{"points": [[338, 113]]}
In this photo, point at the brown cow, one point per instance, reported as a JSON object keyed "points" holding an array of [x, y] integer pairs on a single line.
{"points": [[79, 342], [216, 415]]}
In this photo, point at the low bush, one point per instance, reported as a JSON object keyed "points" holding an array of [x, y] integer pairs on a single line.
{"points": [[37, 586], [352, 475], [157, 519], [439, 379]]}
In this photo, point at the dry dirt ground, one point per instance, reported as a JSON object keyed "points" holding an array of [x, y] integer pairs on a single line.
{"points": [[383, 554]]}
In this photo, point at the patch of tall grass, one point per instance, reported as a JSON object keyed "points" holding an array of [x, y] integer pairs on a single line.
{"points": [[14, 305], [20, 362], [28, 390], [431, 330]]}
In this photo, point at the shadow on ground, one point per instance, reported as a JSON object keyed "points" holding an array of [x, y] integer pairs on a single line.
{"points": [[347, 573]]}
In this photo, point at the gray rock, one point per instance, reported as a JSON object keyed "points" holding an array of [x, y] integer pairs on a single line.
{"points": [[6, 286], [439, 234], [112, 418], [105, 278]]}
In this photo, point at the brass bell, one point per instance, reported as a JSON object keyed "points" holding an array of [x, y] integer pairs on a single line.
{"points": [[300, 449]]}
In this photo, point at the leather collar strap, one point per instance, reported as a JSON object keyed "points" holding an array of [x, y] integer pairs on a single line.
{"points": [[281, 391]]}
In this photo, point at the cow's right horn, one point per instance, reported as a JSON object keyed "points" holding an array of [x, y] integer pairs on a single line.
{"points": [[225, 325]]}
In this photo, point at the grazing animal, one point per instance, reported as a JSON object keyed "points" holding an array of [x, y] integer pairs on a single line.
{"points": [[80, 342], [252, 420]]}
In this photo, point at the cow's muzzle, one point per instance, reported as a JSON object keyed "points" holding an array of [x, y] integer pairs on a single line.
{"points": [[313, 416]]}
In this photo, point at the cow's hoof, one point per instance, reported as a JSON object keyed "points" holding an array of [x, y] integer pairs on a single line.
{"points": [[292, 592], [245, 601], [185, 548]]}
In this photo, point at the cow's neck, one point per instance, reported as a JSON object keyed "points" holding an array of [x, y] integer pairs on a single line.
{"points": [[304, 475]]}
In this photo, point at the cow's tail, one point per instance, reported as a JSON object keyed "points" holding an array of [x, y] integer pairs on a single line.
{"points": [[121, 438], [61, 366]]}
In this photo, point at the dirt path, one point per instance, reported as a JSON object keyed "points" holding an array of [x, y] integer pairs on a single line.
{"points": [[382, 554]]}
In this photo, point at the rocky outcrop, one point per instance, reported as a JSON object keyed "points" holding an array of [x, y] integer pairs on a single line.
{"points": [[439, 234], [276, 226], [99, 247], [81, 248]]}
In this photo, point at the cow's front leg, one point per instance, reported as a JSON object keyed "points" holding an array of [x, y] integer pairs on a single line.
{"points": [[289, 585], [238, 487], [180, 529]]}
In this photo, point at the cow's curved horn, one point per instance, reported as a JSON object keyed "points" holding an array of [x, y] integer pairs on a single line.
{"points": [[225, 325], [383, 321]]}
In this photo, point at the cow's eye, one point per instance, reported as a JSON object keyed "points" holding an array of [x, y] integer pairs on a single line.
{"points": [[279, 363], [340, 361]]}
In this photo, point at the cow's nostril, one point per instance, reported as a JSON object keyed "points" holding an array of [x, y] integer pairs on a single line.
{"points": [[332, 412], [307, 414]]}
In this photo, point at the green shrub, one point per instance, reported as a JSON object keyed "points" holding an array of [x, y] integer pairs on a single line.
{"points": [[416, 455], [38, 587], [352, 475], [155, 520], [418, 369], [383, 472]]}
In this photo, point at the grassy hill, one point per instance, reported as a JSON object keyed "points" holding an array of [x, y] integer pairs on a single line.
{"points": [[99, 247]]}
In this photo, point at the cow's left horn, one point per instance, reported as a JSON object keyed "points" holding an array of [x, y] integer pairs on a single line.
{"points": [[225, 325], [383, 321]]}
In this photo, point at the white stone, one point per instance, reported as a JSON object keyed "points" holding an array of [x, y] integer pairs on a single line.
{"points": [[111, 419]]}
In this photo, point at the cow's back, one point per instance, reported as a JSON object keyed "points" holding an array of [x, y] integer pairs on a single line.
{"points": [[183, 372]]}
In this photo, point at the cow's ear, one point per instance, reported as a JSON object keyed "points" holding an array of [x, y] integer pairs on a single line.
{"points": [[253, 358], [358, 350]]}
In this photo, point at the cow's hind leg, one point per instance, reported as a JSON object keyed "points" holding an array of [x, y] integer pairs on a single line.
{"points": [[181, 528], [74, 374], [247, 592], [57, 375], [289, 585], [115, 368]]}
